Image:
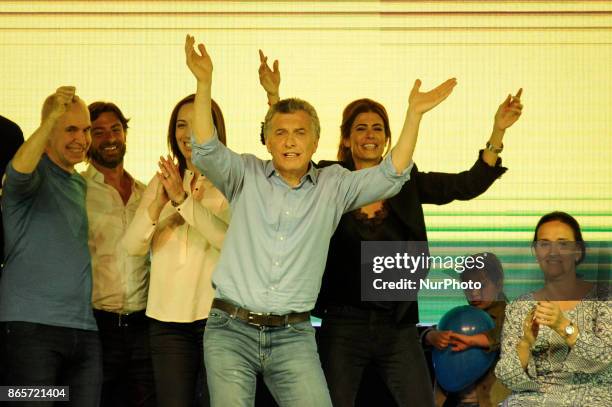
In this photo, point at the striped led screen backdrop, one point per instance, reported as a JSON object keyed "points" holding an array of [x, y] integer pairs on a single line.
{"points": [[559, 154]]}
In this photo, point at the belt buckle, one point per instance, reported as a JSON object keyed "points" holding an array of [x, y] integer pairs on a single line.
{"points": [[252, 315]]}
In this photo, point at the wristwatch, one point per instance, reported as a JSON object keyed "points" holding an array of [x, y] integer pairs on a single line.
{"points": [[175, 204], [570, 329], [494, 149]]}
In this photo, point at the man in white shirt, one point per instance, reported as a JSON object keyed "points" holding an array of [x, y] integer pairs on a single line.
{"points": [[120, 281]]}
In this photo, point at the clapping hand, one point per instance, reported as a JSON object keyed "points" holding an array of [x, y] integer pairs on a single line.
{"points": [[549, 313], [531, 328], [170, 177]]}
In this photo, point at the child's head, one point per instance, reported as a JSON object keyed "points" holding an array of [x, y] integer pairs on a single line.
{"points": [[490, 275]]}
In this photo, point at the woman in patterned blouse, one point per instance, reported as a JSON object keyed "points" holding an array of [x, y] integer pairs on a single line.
{"points": [[557, 341]]}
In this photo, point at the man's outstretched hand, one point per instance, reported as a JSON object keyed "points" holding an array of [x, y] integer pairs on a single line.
{"points": [[199, 63], [269, 78]]}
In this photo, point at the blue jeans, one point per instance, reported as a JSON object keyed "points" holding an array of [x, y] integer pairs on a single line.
{"points": [[235, 353], [45, 355]]}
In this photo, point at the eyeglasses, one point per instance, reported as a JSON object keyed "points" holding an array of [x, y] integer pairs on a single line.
{"points": [[562, 246]]}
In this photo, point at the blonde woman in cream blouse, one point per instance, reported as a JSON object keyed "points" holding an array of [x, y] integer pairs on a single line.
{"points": [[182, 220]]}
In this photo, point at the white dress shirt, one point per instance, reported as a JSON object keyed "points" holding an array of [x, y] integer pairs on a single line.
{"points": [[185, 242], [120, 281]]}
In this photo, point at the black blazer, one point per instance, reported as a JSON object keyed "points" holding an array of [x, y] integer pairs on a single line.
{"points": [[422, 188]]}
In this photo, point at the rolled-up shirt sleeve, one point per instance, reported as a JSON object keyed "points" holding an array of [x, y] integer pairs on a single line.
{"points": [[362, 187], [212, 226], [222, 166]]}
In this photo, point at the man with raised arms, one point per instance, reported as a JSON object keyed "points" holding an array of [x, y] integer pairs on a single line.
{"points": [[284, 213]]}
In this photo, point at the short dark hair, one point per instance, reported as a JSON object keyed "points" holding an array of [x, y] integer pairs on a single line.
{"points": [[568, 220], [218, 121], [97, 108], [293, 105], [492, 270], [350, 113]]}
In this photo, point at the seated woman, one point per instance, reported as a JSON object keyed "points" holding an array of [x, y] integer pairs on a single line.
{"points": [[557, 341], [182, 220]]}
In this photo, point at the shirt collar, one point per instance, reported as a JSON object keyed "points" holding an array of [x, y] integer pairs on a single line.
{"points": [[54, 167], [312, 174], [92, 173], [269, 169]]}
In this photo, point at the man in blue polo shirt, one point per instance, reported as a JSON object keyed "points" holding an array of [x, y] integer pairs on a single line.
{"points": [[49, 329]]}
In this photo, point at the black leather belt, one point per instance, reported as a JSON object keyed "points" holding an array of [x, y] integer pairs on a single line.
{"points": [[260, 318], [116, 319]]}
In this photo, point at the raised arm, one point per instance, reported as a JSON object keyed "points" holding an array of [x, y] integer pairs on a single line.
{"points": [[507, 114], [27, 157], [418, 104], [201, 66], [269, 78]]}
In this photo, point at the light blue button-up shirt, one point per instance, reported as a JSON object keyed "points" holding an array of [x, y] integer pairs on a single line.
{"points": [[276, 245]]}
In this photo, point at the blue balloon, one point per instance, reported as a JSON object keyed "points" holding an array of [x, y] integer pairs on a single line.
{"points": [[455, 371]]}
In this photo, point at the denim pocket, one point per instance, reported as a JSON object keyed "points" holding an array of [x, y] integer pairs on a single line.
{"points": [[301, 328], [217, 319]]}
